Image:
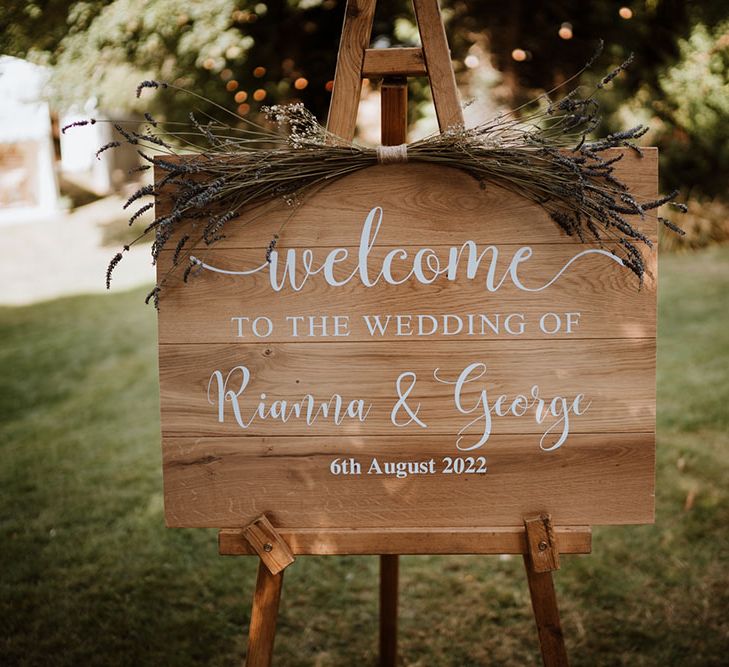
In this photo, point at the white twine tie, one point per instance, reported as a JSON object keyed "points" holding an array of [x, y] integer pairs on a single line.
{"points": [[392, 154]]}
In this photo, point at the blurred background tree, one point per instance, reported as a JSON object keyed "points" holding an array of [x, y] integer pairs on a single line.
{"points": [[693, 109], [243, 53]]}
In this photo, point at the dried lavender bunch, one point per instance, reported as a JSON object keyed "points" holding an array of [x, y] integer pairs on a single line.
{"points": [[208, 171]]}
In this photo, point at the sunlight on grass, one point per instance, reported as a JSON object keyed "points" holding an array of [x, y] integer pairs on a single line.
{"points": [[92, 577]]}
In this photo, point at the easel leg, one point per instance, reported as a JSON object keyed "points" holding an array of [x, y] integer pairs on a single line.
{"points": [[262, 630], [389, 575], [546, 615], [394, 124]]}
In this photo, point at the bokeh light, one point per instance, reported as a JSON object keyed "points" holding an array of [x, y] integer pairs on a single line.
{"points": [[259, 95], [231, 85], [259, 72], [520, 55], [565, 31], [625, 13], [301, 83], [241, 96]]}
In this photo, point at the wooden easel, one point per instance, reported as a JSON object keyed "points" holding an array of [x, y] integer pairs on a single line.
{"points": [[537, 540]]}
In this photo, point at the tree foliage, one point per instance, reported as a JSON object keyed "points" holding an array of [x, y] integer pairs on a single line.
{"points": [[245, 53], [694, 112]]}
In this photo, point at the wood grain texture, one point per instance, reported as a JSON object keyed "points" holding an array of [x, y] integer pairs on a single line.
{"points": [[226, 482], [546, 616], [355, 39], [268, 544], [264, 615], [541, 543], [608, 298], [394, 111], [218, 474], [328, 542], [393, 62], [616, 375], [420, 201], [438, 63]]}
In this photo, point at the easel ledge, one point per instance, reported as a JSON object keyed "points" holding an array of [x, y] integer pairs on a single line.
{"points": [[328, 542]]}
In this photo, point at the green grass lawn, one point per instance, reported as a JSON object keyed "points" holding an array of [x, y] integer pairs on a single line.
{"points": [[90, 575]]}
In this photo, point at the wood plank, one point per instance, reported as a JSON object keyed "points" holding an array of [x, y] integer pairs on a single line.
{"points": [[615, 377], [393, 62], [228, 481], [342, 119], [420, 201], [328, 542], [438, 63], [608, 298]]}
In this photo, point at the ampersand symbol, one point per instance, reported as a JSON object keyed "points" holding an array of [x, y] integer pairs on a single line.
{"points": [[402, 401]]}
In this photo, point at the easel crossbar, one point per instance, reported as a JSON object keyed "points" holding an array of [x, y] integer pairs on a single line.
{"points": [[394, 62], [327, 542]]}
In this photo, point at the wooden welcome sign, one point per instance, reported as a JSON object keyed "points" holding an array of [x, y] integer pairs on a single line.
{"points": [[419, 353]]}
